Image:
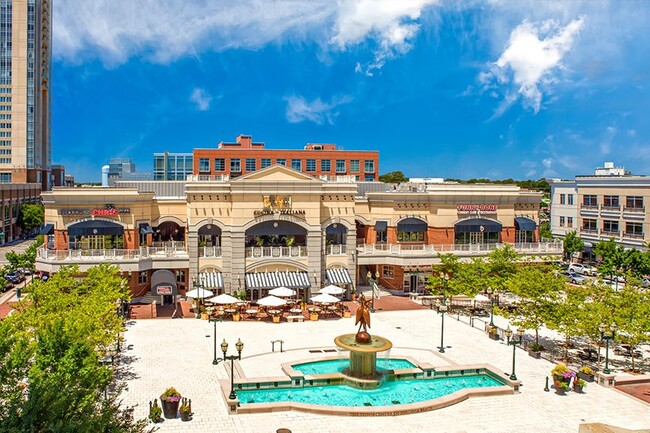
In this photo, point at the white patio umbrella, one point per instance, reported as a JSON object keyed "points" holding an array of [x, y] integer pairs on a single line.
{"points": [[199, 293], [283, 292], [332, 290], [481, 298], [324, 298], [271, 301], [224, 299]]}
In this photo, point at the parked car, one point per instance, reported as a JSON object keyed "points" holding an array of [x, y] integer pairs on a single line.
{"points": [[15, 277], [574, 278], [579, 268], [25, 271]]}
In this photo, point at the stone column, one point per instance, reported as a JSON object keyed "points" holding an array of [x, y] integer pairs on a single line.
{"points": [[193, 251], [234, 259], [315, 257]]}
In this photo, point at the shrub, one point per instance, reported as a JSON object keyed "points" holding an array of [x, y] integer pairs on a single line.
{"points": [[536, 347]]}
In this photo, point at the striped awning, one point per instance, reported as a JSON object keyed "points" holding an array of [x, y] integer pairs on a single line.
{"points": [[211, 280], [338, 276], [271, 280]]}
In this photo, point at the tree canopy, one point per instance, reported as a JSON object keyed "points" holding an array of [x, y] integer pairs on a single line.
{"points": [[31, 216], [393, 177], [572, 244]]}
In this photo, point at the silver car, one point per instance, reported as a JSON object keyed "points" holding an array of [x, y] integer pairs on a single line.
{"points": [[574, 278]]}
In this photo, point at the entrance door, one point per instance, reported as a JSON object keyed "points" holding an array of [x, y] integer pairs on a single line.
{"points": [[476, 238], [413, 279], [168, 300]]}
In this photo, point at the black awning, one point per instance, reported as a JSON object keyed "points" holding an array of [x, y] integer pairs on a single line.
{"points": [[526, 224], [474, 225], [381, 226], [269, 228], [412, 225], [47, 229], [163, 282], [335, 229], [95, 227], [145, 229]]}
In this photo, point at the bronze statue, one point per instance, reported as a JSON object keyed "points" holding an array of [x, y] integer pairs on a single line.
{"points": [[363, 319]]}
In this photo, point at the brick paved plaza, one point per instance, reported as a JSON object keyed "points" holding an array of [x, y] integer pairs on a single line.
{"points": [[178, 352]]}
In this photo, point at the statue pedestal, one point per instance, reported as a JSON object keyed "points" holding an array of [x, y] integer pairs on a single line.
{"points": [[362, 373]]}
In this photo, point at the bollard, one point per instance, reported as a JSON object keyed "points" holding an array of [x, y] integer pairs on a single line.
{"points": [[546, 387]]}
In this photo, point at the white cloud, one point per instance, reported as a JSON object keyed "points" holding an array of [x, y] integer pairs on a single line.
{"points": [[531, 61], [316, 111], [201, 98]]}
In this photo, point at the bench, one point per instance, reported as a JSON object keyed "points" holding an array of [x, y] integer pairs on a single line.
{"points": [[299, 318]]}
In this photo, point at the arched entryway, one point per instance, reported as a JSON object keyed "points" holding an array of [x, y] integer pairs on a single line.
{"points": [[477, 231], [336, 234], [168, 231], [276, 234], [95, 234], [412, 230], [209, 240]]}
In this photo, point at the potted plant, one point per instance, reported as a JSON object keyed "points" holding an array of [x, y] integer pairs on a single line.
{"points": [[585, 373], [347, 313], [275, 317], [185, 409], [170, 399], [154, 411], [493, 333], [535, 350], [558, 372], [578, 385], [235, 316], [561, 388]]}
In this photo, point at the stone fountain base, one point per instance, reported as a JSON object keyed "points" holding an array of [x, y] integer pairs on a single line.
{"points": [[362, 373]]}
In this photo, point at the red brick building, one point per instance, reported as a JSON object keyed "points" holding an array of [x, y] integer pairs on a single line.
{"points": [[245, 156]]}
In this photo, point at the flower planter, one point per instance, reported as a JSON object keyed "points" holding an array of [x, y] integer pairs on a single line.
{"points": [[235, 317], [493, 336], [313, 316], [204, 316], [185, 416], [170, 408], [586, 377], [577, 389], [347, 314], [276, 319], [560, 390], [535, 354]]}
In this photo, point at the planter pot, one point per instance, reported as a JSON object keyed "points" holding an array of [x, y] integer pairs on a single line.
{"points": [[586, 377], [558, 378], [170, 408], [276, 319], [185, 416], [204, 316], [313, 316], [577, 388], [535, 354], [560, 391], [235, 317], [347, 314], [493, 336]]}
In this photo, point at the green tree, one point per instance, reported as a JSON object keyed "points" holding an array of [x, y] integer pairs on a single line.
{"points": [[632, 315], [568, 314], [393, 177], [31, 216], [502, 264], [572, 244], [545, 230]]}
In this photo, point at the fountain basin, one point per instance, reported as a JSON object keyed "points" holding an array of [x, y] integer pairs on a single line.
{"points": [[362, 373]]}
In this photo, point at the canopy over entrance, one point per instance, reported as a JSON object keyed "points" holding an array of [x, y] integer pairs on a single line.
{"points": [[525, 224], [95, 228], [163, 282], [475, 225]]}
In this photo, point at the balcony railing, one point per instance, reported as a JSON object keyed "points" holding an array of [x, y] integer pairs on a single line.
{"points": [[610, 208], [207, 178], [634, 209], [209, 251], [633, 235], [608, 232], [586, 206], [275, 252], [398, 249], [336, 250], [589, 231], [110, 254]]}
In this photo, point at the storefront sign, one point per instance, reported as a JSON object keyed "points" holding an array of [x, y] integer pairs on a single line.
{"points": [[277, 204], [109, 210], [465, 209], [164, 290]]}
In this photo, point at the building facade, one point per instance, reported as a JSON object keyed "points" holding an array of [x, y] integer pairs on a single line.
{"points": [[25, 59], [279, 226], [172, 166], [246, 156], [12, 197]]}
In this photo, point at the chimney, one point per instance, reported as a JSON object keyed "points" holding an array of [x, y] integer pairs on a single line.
{"points": [[245, 141]]}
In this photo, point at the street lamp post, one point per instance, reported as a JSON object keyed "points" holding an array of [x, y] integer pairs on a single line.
{"points": [[607, 336], [198, 299], [490, 293], [442, 310], [216, 360], [514, 342], [224, 348], [445, 284], [373, 283]]}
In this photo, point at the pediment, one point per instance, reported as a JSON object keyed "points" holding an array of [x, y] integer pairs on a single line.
{"points": [[277, 173]]}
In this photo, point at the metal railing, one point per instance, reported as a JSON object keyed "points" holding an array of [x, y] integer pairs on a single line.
{"points": [[209, 251], [634, 209], [275, 252], [110, 254], [611, 207], [335, 250], [633, 235], [429, 249], [207, 178]]}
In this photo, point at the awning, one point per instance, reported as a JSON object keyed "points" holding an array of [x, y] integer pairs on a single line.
{"points": [[211, 280], [271, 280], [381, 226], [412, 225], [268, 228], [335, 229], [474, 225], [95, 227], [163, 282], [47, 229], [145, 229], [525, 224], [338, 276]]}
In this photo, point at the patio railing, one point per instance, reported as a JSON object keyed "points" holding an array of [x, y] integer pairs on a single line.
{"points": [[426, 249], [275, 252], [110, 254]]}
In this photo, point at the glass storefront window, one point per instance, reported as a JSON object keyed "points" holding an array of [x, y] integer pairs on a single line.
{"points": [[410, 236]]}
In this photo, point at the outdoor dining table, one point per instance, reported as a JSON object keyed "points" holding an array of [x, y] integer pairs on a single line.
{"points": [[273, 312], [230, 310], [314, 309], [295, 311], [251, 311]]}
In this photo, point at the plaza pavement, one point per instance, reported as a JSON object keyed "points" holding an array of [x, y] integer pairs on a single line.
{"points": [[179, 352]]}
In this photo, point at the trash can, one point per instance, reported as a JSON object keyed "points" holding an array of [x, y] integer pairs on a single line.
{"points": [[19, 292]]}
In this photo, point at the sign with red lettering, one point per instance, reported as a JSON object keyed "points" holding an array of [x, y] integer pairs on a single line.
{"points": [[164, 290], [476, 208]]}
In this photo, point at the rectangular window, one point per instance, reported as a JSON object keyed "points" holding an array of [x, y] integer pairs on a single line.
{"points": [[569, 222], [180, 276], [355, 166], [590, 225], [235, 165], [281, 161], [562, 221], [266, 162], [311, 165], [562, 198], [369, 166], [296, 164], [634, 230], [610, 226], [569, 199], [325, 165], [387, 272], [610, 202], [220, 164], [590, 201], [634, 202], [251, 164], [142, 277], [340, 166], [367, 178], [204, 165]]}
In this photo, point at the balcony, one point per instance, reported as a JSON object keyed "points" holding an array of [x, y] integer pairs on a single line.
{"points": [[586, 206], [632, 235], [209, 251], [610, 233], [589, 231], [634, 209], [276, 252], [434, 250], [610, 208], [335, 250], [111, 255]]}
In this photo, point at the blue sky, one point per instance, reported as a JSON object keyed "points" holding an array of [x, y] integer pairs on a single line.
{"points": [[442, 88]]}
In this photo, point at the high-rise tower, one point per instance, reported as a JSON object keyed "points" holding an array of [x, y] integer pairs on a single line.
{"points": [[25, 58]]}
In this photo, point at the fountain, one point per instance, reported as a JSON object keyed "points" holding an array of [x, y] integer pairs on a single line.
{"points": [[362, 372]]}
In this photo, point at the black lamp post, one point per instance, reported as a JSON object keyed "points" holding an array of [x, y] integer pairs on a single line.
{"points": [[442, 310], [445, 284], [196, 286], [216, 360], [120, 315], [490, 293], [604, 335], [514, 342], [224, 348], [373, 283]]}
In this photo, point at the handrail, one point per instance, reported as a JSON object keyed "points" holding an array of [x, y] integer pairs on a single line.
{"points": [[434, 249]]}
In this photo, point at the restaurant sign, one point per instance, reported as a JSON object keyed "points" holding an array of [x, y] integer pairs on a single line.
{"points": [[467, 209], [109, 210], [164, 290], [277, 204]]}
